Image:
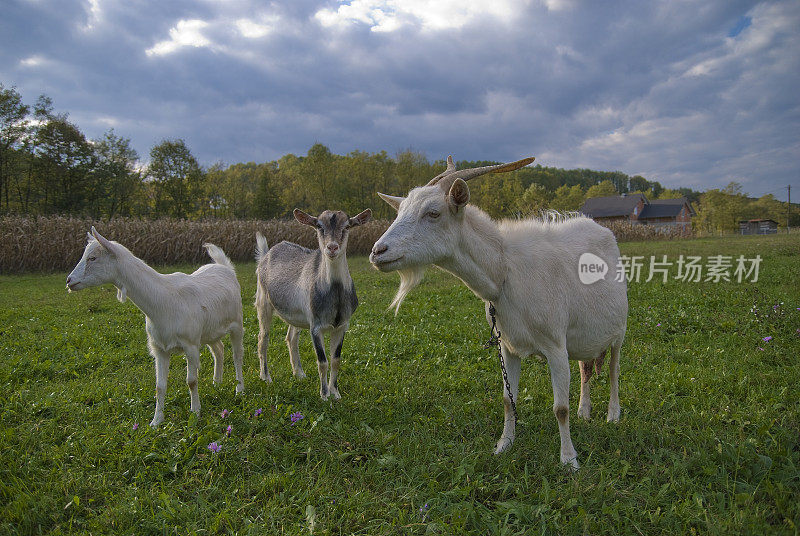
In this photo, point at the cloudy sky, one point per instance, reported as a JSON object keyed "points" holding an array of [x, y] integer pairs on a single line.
{"points": [[690, 93]]}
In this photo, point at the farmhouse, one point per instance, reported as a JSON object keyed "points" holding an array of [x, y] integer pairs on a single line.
{"points": [[637, 209], [759, 226]]}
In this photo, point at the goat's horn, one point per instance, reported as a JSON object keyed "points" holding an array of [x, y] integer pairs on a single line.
{"points": [[471, 173], [451, 167]]}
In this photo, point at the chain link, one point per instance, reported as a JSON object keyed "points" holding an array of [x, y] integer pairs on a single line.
{"points": [[495, 341]]}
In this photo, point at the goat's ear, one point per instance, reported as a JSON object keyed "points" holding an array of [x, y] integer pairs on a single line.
{"points": [[108, 246], [305, 219], [361, 219], [392, 200], [458, 196]]}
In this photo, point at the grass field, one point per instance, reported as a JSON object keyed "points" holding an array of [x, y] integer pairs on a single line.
{"points": [[708, 442]]}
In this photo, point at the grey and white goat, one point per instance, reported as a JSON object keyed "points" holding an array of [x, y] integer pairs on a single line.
{"points": [[529, 269], [308, 289], [182, 311]]}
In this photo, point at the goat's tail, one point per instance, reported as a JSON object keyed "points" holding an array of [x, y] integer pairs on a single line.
{"points": [[261, 247], [217, 255]]}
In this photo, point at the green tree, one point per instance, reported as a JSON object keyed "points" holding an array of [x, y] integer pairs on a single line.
{"points": [[601, 189], [66, 159], [535, 199], [13, 126], [177, 180], [118, 181], [499, 195], [567, 199]]}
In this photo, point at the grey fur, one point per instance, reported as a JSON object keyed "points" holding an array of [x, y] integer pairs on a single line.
{"points": [[308, 289]]}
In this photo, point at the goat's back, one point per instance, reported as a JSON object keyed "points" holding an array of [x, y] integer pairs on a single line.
{"points": [[286, 274]]}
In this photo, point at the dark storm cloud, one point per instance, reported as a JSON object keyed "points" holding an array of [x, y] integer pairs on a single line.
{"points": [[690, 93]]}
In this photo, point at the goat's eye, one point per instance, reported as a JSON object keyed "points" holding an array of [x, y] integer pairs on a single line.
{"points": [[432, 214], [92, 259]]}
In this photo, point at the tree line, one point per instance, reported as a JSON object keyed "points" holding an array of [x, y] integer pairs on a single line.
{"points": [[48, 166]]}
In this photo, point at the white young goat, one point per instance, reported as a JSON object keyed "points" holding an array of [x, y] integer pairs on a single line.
{"points": [[529, 270], [308, 289], [182, 311]]}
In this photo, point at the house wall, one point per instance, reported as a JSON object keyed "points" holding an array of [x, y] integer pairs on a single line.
{"points": [[634, 216]]}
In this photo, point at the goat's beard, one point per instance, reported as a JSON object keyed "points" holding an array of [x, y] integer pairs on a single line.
{"points": [[409, 278]]}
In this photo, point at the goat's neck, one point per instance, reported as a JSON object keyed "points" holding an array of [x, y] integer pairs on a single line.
{"points": [[144, 286], [331, 270], [478, 259]]}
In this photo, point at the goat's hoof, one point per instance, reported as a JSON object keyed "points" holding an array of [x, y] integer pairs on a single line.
{"points": [[156, 421], [585, 413], [300, 375], [334, 393], [239, 389], [613, 415], [266, 377], [571, 463], [503, 444]]}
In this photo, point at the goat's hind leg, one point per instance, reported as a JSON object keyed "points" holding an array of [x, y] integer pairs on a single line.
{"points": [[264, 310], [613, 375], [218, 353], [237, 336], [293, 342]]}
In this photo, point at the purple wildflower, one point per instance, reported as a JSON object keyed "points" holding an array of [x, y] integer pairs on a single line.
{"points": [[214, 447], [658, 325], [228, 430], [760, 348], [258, 412], [224, 413], [767, 338], [296, 416], [136, 426]]}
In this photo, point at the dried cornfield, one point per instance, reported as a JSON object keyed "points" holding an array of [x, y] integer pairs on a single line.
{"points": [[627, 232], [51, 244]]}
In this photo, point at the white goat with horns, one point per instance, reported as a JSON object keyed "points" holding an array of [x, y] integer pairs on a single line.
{"points": [[182, 311], [529, 270]]}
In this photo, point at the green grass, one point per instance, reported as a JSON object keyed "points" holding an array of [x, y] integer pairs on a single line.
{"points": [[709, 440]]}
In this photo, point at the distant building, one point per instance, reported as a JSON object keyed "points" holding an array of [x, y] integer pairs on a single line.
{"points": [[760, 226], [637, 209]]}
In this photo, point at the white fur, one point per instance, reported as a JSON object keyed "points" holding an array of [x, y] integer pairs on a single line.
{"points": [[182, 311], [529, 270]]}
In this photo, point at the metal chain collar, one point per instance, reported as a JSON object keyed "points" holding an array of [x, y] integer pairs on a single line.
{"points": [[495, 341]]}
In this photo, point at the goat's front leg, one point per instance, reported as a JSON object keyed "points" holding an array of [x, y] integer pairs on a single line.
{"points": [[337, 339], [192, 365], [513, 365], [322, 361], [558, 361], [162, 370]]}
